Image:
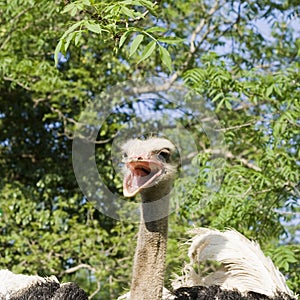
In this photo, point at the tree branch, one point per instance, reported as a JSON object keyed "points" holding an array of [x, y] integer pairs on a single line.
{"points": [[237, 126], [14, 22], [230, 155], [96, 291], [90, 268], [199, 28], [17, 82], [192, 51], [78, 267]]}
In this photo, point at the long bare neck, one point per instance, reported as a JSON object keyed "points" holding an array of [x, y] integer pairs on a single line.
{"points": [[150, 255]]}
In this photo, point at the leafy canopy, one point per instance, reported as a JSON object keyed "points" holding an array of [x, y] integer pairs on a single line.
{"points": [[241, 57]]}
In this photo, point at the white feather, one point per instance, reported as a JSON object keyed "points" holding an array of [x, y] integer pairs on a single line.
{"points": [[11, 283], [244, 266]]}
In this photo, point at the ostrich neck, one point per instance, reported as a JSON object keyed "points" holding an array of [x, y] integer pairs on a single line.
{"points": [[150, 255]]}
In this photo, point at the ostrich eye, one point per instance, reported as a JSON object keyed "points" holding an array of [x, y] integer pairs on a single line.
{"points": [[164, 155], [125, 155]]}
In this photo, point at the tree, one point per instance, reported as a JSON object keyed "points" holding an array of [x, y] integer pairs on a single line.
{"points": [[248, 79]]}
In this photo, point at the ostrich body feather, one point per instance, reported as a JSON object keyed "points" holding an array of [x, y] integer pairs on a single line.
{"points": [[24, 287], [10, 283]]}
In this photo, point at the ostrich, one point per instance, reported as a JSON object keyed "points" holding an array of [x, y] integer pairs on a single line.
{"points": [[245, 273], [24, 287], [150, 171]]}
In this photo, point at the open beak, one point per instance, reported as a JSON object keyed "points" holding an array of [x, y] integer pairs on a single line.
{"points": [[140, 174]]}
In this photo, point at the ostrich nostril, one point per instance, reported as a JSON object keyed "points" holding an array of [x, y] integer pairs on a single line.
{"points": [[140, 158]]}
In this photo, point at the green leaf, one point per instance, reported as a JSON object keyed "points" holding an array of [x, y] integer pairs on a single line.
{"points": [[156, 29], [57, 51], [135, 44], [68, 41], [196, 75], [123, 38], [74, 11], [269, 90], [165, 57], [217, 97], [147, 51], [228, 105], [71, 29], [68, 8], [93, 27], [128, 12], [77, 38], [150, 6]]}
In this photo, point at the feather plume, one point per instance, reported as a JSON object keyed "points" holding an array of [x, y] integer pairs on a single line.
{"points": [[244, 267]]}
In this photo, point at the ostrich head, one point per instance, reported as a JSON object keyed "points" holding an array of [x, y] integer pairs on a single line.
{"points": [[150, 167]]}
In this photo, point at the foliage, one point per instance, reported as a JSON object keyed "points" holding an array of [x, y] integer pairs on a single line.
{"points": [[241, 57]]}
